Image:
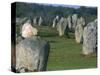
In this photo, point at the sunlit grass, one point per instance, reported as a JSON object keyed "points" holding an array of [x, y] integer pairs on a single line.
{"points": [[65, 53]]}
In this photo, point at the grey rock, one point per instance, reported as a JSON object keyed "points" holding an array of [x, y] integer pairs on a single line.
{"points": [[55, 21], [79, 30], [69, 22], [62, 26], [20, 21], [32, 55], [90, 38], [18, 39], [40, 21], [74, 20], [35, 21]]}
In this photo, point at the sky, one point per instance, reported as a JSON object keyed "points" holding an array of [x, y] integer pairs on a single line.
{"points": [[70, 6], [63, 5]]}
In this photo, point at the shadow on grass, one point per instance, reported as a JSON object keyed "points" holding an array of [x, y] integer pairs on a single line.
{"points": [[47, 34], [52, 41]]}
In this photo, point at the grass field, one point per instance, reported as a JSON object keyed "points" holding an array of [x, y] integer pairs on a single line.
{"points": [[65, 53]]}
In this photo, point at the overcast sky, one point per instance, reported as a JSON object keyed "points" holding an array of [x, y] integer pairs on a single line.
{"points": [[71, 6]]}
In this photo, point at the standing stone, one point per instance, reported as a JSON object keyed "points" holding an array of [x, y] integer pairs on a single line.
{"points": [[31, 55], [79, 30], [20, 21], [18, 39], [62, 26], [40, 21], [35, 21], [69, 22], [74, 20], [28, 30], [90, 38], [55, 21]]}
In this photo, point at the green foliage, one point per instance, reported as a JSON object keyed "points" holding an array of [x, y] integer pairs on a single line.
{"points": [[48, 12]]}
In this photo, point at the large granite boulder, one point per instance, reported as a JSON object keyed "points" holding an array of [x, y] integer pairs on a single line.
{"points": [[28, 30], [62, 26], [55, 21], [90, 38], [79, 30], [31, 55]]}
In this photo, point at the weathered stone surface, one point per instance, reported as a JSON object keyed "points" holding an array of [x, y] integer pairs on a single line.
{"points": [[40, 21], [20, 21], [35, 21], [79, 30], [18, 39], [55, 21], [74, 20], [90, 38], [28, 30], [62, 26], [69, 19], [32, 55]]}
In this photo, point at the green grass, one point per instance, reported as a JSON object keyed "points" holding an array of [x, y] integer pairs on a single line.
{"points": [[65, 53]]}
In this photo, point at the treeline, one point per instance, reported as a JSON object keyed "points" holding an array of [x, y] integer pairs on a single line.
{"points": [[48, 12]]}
